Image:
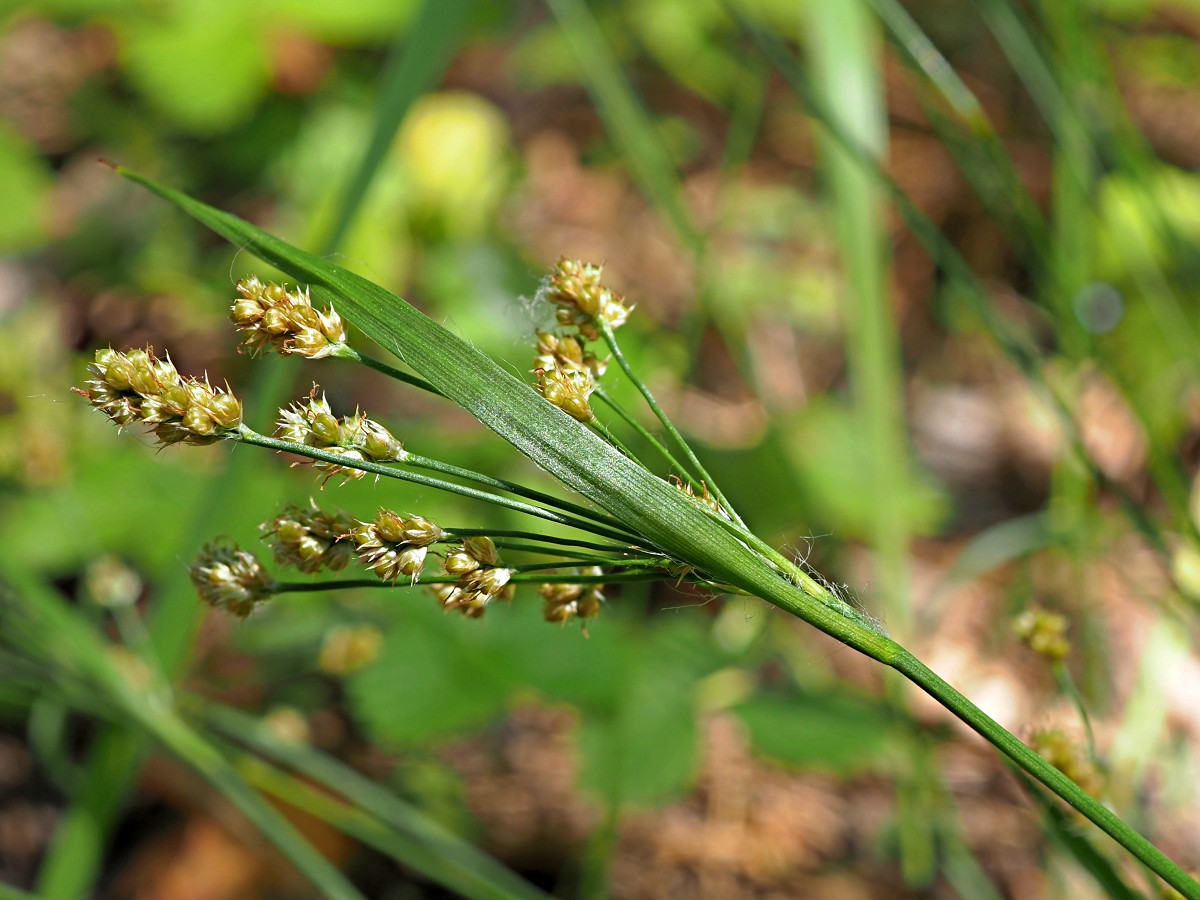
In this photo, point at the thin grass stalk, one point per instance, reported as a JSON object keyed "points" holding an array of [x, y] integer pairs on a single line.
{"points": [[844, 53], [710, 483], [419, 58], [1018, 347], [248, 436], [426, 845]]}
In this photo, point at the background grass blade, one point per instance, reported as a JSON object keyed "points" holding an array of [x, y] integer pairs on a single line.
{"points": [[399, 829], [625, 118], [417, 63], [40, 621], [845, 55]]}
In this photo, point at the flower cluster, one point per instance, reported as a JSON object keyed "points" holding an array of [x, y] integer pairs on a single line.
{"points": [[574, 287], [395, 545], [565, 601], [567, 373], [139, 387], [230, 579], [310, 538], [1070, 756], [349, 648], [313, 424], [272, 316], [481, 579], [1044, 632]]}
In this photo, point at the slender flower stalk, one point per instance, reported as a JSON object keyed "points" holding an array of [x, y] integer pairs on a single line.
{"points": [[247, 435], [629, 419], [610, 339], [349, 354]]}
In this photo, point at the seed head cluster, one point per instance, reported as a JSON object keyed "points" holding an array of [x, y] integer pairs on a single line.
{"points": [[566, 601], [394, 545], [581, 299], [567, 373], [313, 424], [1044, 632], [310, 539], [230, 579], [273, 317], [566, 370], [481, 579], [139, 387]]}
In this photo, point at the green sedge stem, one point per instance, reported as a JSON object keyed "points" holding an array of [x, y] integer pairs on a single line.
{"points": [[570, 563], [434, 465], [534, 536], [309, 587], [611, 340], [346, 352], [1066, 683], [925, 678], [247, 435], [795, 573], [628, 419], [591, 558]]}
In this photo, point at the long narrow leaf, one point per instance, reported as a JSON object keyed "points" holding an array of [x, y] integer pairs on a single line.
{"points": [[418, 62], [405, 833]]}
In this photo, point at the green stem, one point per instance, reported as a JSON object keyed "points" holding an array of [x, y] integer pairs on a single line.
{"points": [[346, 352], [570, 563], [883, 649], [434, 465], [995, 734], [313, 587], [247, 435], [1066, 683], [533, 536], [611, 340], [644, 432], [585, 556]]}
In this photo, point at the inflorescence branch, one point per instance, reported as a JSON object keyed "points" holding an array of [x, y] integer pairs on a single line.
{"points": [[138, 387]]}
